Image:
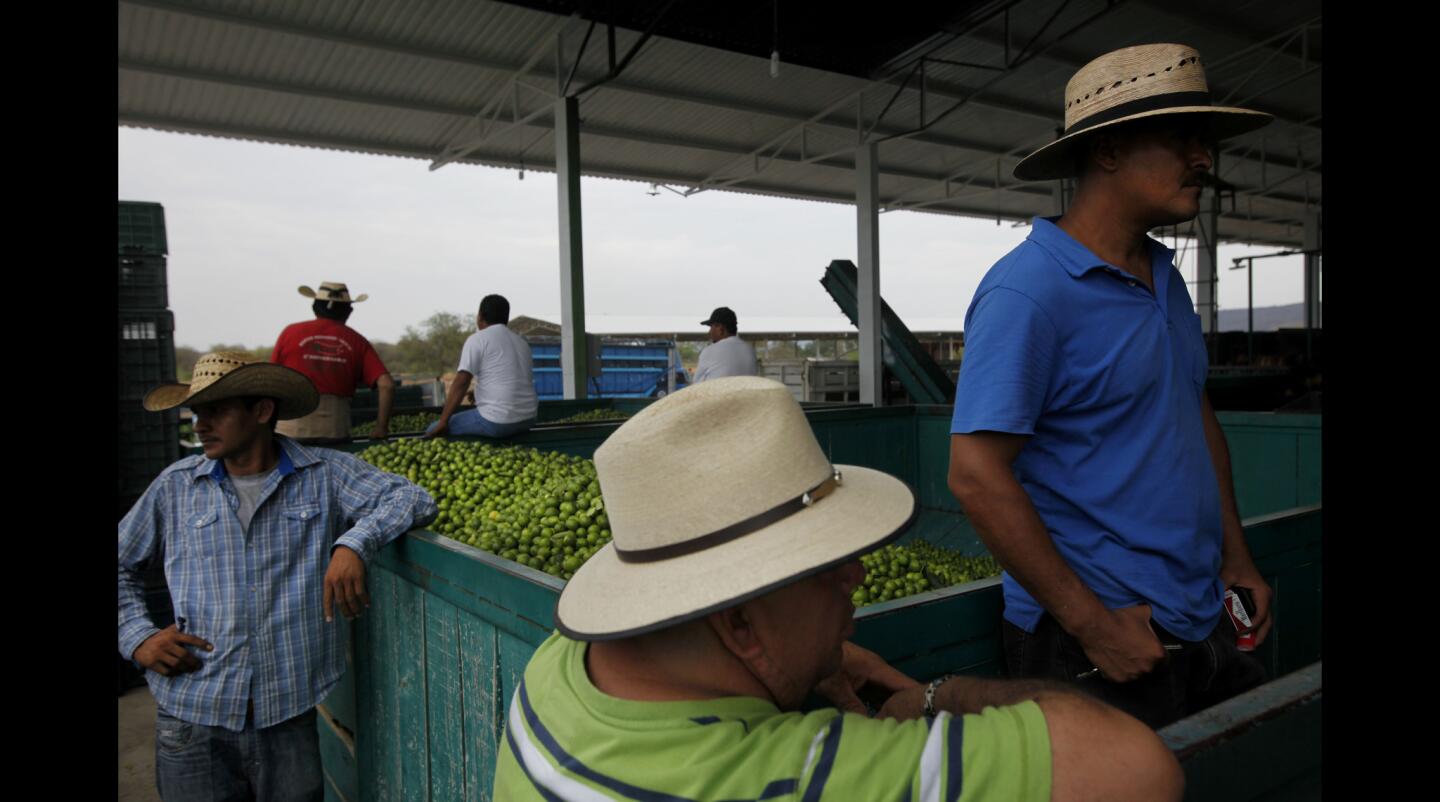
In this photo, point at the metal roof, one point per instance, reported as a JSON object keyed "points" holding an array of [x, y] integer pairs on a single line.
{"points": [[467, 81]]}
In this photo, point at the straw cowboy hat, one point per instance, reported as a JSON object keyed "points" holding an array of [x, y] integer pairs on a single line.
{"points": [[717, 495], [333, 291], [1130, 84], [228, 374]]}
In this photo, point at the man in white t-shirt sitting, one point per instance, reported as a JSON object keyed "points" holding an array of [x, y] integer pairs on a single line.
{"points": [[727, 354], [499, 361]]}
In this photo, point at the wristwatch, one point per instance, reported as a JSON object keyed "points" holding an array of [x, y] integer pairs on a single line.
{"points": [[929, 709]]}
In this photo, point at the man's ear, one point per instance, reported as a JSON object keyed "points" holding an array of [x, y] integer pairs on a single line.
{"points": [[1104, 151], [265, 410], [736, 631]]}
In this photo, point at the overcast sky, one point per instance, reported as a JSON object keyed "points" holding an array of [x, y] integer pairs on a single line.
{"points": [[248, 223]]}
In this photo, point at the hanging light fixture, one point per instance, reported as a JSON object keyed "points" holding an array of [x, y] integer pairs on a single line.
{"points": [[775, 49]]}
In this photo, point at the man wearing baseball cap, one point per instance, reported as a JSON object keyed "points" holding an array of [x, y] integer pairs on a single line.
{"points": [[336, 359], [263, 539], [686, 645], [1083, 446], [727, 354]]}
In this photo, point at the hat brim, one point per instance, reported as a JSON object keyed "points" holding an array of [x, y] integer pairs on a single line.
{"points": [[310, 293], [297, 397], [608, 599], [1054, 161]]}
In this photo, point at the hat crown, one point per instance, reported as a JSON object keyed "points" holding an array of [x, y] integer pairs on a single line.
{"points": [[212, 367], [709, 457], [1132, 74]]}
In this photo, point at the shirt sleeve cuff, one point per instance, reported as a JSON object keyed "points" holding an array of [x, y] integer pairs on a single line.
{"points": [[355, 543], [134, 634]]}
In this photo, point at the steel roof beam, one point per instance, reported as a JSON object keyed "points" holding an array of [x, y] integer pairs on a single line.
{"points": [[323, 34], [1074, 61], [537, 117]]}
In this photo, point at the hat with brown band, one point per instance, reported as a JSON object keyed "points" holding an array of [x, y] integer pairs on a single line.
{"points": [[716, 495], [1130, 84], [230, 374], [333, 291]]}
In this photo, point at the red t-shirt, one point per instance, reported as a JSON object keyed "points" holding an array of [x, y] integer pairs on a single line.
{"points": [[335, 357]]}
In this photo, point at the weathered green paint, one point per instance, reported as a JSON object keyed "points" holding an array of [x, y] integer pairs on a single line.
{"points": [[337, 756], [483, 706], [341, 700], [445, 700], [951, 630], [1264, 744]]}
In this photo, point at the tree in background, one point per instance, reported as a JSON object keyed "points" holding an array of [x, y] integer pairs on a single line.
{"points": [[434, 349]]}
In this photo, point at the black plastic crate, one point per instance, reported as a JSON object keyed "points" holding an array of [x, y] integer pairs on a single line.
{"points": [[149, 443], [142, 228], [142, 282], [146, 351]]}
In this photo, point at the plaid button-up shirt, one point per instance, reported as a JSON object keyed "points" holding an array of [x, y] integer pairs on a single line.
{"points": [[256, 594]]}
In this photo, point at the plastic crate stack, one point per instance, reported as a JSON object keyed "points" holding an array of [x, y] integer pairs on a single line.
{"points": [[149, 441]]}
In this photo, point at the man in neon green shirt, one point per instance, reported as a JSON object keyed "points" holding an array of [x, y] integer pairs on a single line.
{"points": [[686, 646]]}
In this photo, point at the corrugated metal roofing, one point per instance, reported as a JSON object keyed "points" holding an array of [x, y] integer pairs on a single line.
{"points": [[412, 79]]}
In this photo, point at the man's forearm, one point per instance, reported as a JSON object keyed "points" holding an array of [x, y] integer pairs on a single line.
{"points": [[1234, 549], [455, 394], [385, 387], [961, 695], [1012, 530]]}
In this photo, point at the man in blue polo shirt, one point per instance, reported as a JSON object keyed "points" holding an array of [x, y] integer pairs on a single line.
{"points": [[1083, 447]]}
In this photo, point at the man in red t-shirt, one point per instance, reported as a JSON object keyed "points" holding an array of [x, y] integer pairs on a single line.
{"points": [[337, 359]]}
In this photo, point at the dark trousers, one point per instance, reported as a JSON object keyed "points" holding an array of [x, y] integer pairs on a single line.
{"points": [[1193, 677], [196, 763]]}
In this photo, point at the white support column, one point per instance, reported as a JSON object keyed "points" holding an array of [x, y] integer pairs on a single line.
{"points": [[572, 261], [1312, 268], [1207, 251], [867, 192]]}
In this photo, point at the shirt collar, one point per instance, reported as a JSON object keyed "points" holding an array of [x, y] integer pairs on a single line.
{"points": [[1076, 258], [293, 456]]}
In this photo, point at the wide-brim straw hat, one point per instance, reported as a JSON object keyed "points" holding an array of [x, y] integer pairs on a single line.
{"points": [[1131, 84], [715, 495], [229, 374], [333, 291]]}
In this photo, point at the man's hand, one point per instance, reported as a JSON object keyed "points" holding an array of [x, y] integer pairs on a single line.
{"points": [[1249, 577], [380, 433], [1122, 644], [860, 667], [905, 704], [345, 584], [165, 652], [442, 427]]}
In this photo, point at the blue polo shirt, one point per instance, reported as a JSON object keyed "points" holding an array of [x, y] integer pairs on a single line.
{"points": [[1107, 381]]}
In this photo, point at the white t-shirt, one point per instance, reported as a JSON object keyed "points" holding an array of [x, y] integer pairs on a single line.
{"points": [[731, 356], [499, 359]]}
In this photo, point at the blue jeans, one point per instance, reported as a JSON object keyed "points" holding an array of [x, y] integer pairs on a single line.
{"points": [[470, 422], [1194, 675], [200, 763]]}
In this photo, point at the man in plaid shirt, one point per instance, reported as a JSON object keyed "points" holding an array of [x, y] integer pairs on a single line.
{"points": [[262, 540]]}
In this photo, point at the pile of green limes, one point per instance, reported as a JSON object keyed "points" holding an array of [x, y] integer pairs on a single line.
{"points": [[895, 571], [399, 424], [540, 509], [592, 416]]}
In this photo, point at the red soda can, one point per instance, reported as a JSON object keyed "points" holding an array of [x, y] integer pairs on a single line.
{"points": [[1240, 606]]}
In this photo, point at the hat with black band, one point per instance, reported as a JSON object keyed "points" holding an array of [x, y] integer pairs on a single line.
{"points": [[1134, 83]]}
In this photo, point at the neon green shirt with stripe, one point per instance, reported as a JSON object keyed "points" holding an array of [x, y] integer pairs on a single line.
{"points": [[567, 740]]}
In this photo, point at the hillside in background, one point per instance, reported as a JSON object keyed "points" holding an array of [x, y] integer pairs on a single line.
{"points": [[1267, 318]]}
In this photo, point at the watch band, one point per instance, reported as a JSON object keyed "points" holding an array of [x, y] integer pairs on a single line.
{"points": [[930, 694]]}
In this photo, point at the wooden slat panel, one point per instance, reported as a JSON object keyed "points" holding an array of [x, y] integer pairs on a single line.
{"points": [[408, 638], [445, 698], [517, 599], [484, 705], [337, 758], [375, 702]]}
